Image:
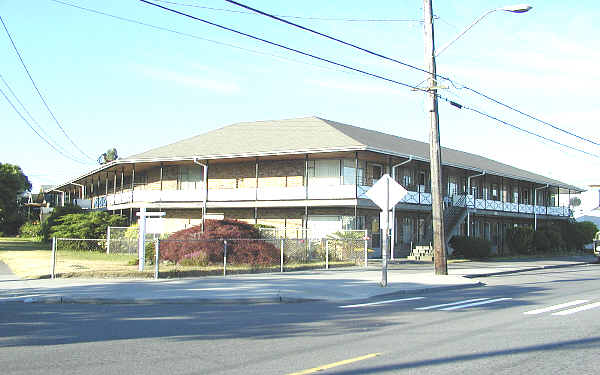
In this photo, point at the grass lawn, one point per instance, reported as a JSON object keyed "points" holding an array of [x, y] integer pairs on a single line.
{"points": [[33, 260]]}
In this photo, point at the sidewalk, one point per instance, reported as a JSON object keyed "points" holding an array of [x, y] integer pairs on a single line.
{"points": [[332, 285]]}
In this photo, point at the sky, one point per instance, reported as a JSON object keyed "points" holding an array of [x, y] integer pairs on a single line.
{"points": [[115, 83]]}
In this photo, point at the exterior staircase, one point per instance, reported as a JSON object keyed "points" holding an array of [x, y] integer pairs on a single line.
{"points": [[454, 214], [421, 253]]}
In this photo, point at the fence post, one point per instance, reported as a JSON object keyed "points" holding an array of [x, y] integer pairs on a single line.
{"points": [[224, 257], [53, 256], [326, 254], [156, 257], [281, 257], [108, 240], [366, 253]]}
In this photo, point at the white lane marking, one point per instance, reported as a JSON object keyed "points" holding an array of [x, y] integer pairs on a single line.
{"points": [[450, 304], [382, 302], [578, 309], [475, 304], [556, 307]]}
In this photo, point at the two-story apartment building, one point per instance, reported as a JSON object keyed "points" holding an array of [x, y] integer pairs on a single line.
{"points": [[313, 173]]}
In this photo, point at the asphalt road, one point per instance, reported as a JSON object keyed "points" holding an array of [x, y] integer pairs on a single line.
{"points": [[541, 322]]}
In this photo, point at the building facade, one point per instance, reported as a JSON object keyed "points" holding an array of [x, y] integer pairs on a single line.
{"points": [[310, 176]]}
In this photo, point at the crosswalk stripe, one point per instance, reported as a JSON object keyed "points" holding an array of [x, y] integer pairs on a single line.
{"points": [[450, 304], [578, 309], [556, 307], [475, 304], [381, 302]]}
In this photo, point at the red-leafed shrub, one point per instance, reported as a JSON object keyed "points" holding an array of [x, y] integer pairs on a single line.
{"points": [[193, 247]]}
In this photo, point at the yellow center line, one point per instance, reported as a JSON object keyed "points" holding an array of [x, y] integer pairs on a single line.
{"points": [[335, 364]]}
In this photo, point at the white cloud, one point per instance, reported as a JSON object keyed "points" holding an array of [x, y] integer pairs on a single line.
{"points": [[222, 86]]}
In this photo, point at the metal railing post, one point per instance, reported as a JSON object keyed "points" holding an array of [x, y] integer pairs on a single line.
{"points": [[366, 254], [53, 257], [281, 257], [326, 254], [224, 257], [156, 257], [108, 240]]}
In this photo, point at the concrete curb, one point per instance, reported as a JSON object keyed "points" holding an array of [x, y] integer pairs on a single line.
{"points": [[433, 289], [222, 301], [538, 268], [155, 301]]}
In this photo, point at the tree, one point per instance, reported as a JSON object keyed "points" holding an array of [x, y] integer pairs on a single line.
{"points": [[575, 201], [108, 156], [12, 183]]}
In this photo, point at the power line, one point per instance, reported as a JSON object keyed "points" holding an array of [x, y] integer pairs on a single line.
{"points": [[36, 132], [286, 47], [380, 55], [29, 114], [460, 106], [530, 116], [297, 17], [38, 91], [160, 28], [328, 37], [371, 75]]}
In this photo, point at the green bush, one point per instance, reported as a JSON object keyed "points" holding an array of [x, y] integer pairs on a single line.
{"points": [[548, 239], [520, 240], [85, 225], [576, 235], [32, 230], [470, 247], [58, 212]]}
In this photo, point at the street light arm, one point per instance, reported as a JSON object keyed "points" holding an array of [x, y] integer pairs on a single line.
{"points": [[465, 30], [519, 8]]}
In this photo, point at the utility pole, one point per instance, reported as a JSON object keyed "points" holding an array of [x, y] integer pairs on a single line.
{"points": [[435, 155]]}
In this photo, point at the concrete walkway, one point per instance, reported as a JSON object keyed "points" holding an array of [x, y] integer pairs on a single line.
{"points": [[332, 285]]}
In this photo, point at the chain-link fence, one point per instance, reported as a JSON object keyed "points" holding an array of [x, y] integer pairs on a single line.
{"points": [[197, 257], [73, 257], [124, 240]]}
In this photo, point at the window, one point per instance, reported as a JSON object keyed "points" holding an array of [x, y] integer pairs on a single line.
{"points": [[407, 178], [475, 190], [421, 178], [348, 169], [525, 196], [324, 171], [515, 193], [452, 185], [495, 192], [486, 192], [190, 178], [376, 172]]}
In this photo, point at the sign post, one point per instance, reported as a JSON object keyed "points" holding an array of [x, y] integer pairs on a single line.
{"points": [[142, 235], [385, 193]]}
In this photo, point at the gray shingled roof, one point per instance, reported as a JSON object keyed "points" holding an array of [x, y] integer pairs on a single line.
{"points": [[313, 134]]}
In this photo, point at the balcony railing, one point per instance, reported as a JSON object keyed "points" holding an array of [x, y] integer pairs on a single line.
{"points": [[300, 193]]}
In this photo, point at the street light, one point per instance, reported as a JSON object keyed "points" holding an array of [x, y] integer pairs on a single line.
{"points": [[435, 154], [519, 8]]}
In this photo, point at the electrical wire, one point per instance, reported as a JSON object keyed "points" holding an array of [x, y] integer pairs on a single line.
{"points": [[36, 132], [460, 106], [530, 116], [39, 93], [380, 55], [330, 37], [455, 104], [297, 17], [285, 47], [33, 120], [160, 28]]}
